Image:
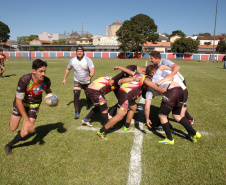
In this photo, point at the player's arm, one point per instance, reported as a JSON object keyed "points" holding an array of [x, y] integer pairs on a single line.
{"points": [[67, 70], [6, 59], [149, 83], [125, 70], [147, 112], [126, 80], [91, 74], [175, 68]]}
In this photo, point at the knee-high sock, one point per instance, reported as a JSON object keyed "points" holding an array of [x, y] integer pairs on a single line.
{"points": [[113, 109], [188, 116], [166, 128], [76, 100], [92, 112], [16, 139], [104, 118], [185, 123]]}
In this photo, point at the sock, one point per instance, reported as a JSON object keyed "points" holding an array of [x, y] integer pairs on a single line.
{"points": [[76, 100], [113, 110], [166, 128], [188, 116], [92, 112], [103, 129], [127, 125], [16, 139], [104, 117], [185, 123]]}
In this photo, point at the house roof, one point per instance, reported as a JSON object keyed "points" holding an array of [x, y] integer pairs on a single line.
{"points": [[207, 38], [158, 44]]}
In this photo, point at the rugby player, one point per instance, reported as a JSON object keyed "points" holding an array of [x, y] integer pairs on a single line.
{"points": [[175, 100], [27, 101], [155, 58], [95, 92], [83, 72], [2, 66]]}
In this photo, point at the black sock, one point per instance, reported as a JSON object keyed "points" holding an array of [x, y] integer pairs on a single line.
{"points": [[113, 110], [104, 117], [103, 129], [16, 139], [166, 128], [92, 112], [76, 100], [127, 125], [185, 123], [188, 116]]}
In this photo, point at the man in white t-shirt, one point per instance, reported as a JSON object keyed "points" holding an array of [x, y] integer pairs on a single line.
{"points": [[83, 72]]}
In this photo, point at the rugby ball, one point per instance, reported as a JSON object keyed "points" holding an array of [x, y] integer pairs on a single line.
{"points": [[51, 100]]}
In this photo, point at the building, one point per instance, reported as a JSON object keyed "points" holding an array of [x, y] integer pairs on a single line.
{"points": [[175, 37], [206, 40], [51, 37], [113, 28], [105, 41], [39, 42]]}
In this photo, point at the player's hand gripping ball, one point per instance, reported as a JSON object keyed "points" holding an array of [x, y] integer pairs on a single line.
{"points": [[51, 100]]}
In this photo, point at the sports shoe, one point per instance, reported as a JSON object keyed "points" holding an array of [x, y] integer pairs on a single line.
{"points": [[125, 129], [196, 137], [77, 115], [8, 150], [1, 76], [101, 135], [86, 121], [167, 141], [192, 121]]}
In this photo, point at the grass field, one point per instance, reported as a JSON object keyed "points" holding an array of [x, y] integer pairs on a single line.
{"points": [[64, 152]]}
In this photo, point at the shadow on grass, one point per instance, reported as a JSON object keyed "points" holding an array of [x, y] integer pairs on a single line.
{"points": [[82, 103], [41, 132], [6, 76]]}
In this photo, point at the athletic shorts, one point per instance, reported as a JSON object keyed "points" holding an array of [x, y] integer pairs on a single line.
{"points": [[165, 109], [82, 86], [174, 97], [2, 64], [95, 96], [31, 112], [124, 100]]}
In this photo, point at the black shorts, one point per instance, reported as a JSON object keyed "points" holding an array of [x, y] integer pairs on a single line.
{"points": [[95, 96], [82, 86], [165, 109], [124, 100], [174, 97], [31, 112]]}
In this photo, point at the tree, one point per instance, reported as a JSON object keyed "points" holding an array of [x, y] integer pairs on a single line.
{"points": [[178, 32], [221, 47], [183, 45], [135, 32], [4, 32], [205, 34], [26, 39]]}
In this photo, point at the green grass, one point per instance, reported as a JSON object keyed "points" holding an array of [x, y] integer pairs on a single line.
{"points": [[62, 154]]}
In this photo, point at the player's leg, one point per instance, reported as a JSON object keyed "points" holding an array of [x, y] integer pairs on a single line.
{"points": [[129, 117], [118, 117], [77, 91], [2, 70], [163, 116]]}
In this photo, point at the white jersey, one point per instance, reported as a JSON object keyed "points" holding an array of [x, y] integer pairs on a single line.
{"points": [[159, 75], [81, 68]]}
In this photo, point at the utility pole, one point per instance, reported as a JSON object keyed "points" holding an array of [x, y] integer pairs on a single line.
{"points": [[214, 31]]}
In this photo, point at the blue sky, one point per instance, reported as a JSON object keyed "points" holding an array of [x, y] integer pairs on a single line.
{"points": [[27, 17]]}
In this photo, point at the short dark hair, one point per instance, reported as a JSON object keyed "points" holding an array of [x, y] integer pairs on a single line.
{"points": [[155, 54], [1, 49], [38, 63], [149, 69]]}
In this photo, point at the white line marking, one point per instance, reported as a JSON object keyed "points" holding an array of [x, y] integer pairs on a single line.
{"points": [[135, 170]]}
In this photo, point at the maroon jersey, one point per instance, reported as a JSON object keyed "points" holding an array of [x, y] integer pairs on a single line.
{"points": [[2, 58], [30, 90]]}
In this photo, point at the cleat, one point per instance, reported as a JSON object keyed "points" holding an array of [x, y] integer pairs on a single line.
{"points": [[193, 121], [86, 121], [101, 135], [77, 115], [196, 137], [8, 150], [167, 141], [125, 129]]}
